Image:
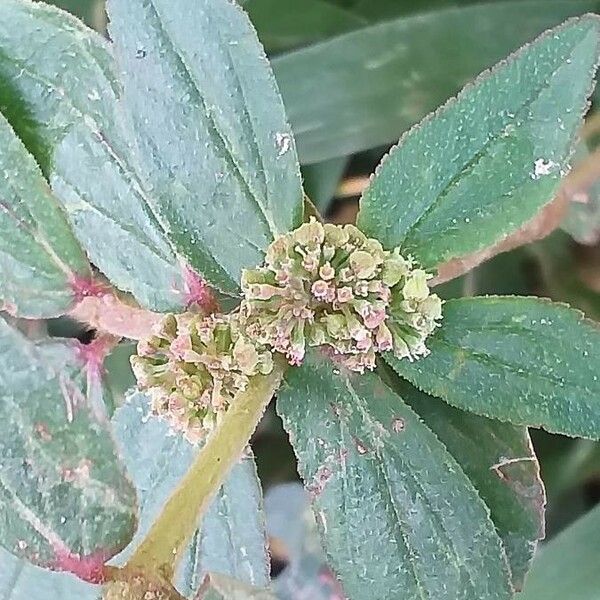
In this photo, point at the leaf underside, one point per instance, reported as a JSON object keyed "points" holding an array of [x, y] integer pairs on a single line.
{"points": [[63, 493], [231, 539]]}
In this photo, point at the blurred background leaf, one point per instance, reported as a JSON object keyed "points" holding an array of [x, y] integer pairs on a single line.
{"points": [[568, 566]]}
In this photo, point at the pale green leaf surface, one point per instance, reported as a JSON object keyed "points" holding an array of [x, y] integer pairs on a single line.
{"points": [[291, 523], [62, 488], [522, 360], [232, 537], [20, 580], [39, 257], [59, 91], [372, 84], [114, 219], [383, 485], [219, 587], [53, 70], [486, 162], [210, 130], [499, 460], [567, 567]]}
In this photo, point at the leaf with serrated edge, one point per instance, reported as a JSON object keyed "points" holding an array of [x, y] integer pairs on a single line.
{"points": [[522, 360], [383, 485], [64, 500], [210, 131], [40, 260], [487, 161], [59, 91], [381, 80], [499, 460], [232, 537]]}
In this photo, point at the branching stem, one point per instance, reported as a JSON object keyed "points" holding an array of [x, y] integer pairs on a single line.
{"points": [[160, 551]]}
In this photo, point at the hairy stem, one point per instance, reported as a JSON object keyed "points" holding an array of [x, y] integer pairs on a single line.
{"points": [[107, 312], [163, 546]]}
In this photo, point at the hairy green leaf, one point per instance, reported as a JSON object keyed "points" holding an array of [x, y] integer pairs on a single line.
{"points": [[382, 485], [211, 137], [64, 500], [40, 260], [372, 84], [59, 91], [232, 537], [50, 69], [499, 460], [523, 360], [114, 220], [485, 163], [567, 567]]}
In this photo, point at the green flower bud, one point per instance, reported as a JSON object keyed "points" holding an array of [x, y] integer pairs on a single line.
{"points": [[330, 285], [193, 378]]}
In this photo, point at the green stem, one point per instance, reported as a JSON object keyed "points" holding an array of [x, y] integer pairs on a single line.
{"points": [[163, 546]]}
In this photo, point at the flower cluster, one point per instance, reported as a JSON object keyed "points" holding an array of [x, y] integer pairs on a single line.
{"points": [[331, 286], [193, 366]]}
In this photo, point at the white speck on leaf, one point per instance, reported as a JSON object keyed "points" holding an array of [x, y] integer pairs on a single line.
{"points": [[283, 141], [542, 167]]}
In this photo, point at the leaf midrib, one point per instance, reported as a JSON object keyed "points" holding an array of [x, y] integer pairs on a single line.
{"points": [[381, 464], [481, 153], [219, 139]]}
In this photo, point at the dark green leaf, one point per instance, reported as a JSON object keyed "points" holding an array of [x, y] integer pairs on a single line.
{"points": [[40, 260], [387, 9], [285, 24], [321, 181], [485, 163], [567, 567], [383, 486], [64, 500], [371, 85], [211, 136], [522, 360], [90, 12], [499, 460], [232, 537], [59, 91]]}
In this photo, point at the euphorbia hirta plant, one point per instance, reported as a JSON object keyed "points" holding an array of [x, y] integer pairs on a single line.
{"points": [[152, 189], [324, 286]]}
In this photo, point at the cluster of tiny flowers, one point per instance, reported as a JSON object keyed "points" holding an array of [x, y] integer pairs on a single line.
{"points": [[193, 366], [330, 285]]}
